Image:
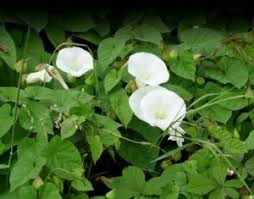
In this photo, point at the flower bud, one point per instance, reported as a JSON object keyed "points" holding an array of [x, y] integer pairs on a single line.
{"points": [[38, 182], [90, 80], [131, 86], [71, 79], [21, 63], [230, 172], [173, 54], [165, 164], [200, 81], [196, 56], [111, 194]]}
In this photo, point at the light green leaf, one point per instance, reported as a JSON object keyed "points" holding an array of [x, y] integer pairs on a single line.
{"points": [[217, 194], [170, 192], [236, 71], [112, 78], [199, 184], [30, 161], [70, 124], [120, 103], [5, 119], [202, 40], [7, 48], [249, 166], [108, 51], [184, 66], [250, 141], [131, 183], [28, 192], [95, 143], [63, 159], [35, 117], [147, 33], [49, 191], [182, 92], [82, 185]]}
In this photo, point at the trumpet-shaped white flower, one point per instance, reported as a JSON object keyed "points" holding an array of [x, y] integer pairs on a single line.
{"points": [[40, 76], [74, 61], [176, 134], [158, 106], [148, 69]]}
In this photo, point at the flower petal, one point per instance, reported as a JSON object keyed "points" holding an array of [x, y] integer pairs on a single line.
{"points": [[161, 107], [148, 68], [176, 135], [135, 99], [40, 76], [74, 60]]}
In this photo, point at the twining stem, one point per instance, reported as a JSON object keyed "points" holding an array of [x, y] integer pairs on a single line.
{"points": [[17, 99]]}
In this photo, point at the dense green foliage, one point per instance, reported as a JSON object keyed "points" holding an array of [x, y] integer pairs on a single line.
{"points": [[86, 143]]}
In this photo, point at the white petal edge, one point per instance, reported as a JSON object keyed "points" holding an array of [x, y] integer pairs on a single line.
{"points": [[148, 68], [176, 134], [40, 76], [74, 61], [162, 108]]}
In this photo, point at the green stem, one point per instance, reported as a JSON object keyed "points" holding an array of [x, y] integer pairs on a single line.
{"points": [[17, 99]]}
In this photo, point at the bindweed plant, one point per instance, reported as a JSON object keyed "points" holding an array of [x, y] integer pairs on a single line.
{"points": [[141, 106]]}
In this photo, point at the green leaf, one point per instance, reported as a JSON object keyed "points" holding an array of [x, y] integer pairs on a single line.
{"points": [[108, 51], [170, 192], [82, 185], [184, 66], [250, 141], [63, 159], [77, 22], [108, 130], [49, 191], [30, 161], [155, 186], [182, 92], [70, 124], [217, 194], [147, 33], [7, 48], [35, 117], [131, 183], [54, 31], [151, 134], [138, 154], [112, 78], [249, 166], [199, 184], [120, 103], [236, 71], [5, 119], [216, 113], [156, 22], [36, 19], [202, 40], [95, 143], [28, 192]]}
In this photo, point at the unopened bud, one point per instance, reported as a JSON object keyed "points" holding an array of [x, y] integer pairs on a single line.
{"points": [[90, 80], [21, 63], [38, 182], [131, 86], [196, 56], [200, 80], [173, 54], [230, 172], [165, 164]]}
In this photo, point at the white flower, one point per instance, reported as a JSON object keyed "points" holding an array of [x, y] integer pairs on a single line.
{"points": [[158, 106], [148, 69], [176, 134], [40, 76], [74, 61]]}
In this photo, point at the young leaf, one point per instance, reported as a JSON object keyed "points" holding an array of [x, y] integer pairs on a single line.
{"points": [[49, 190], [82, 185], [95, 143], [120, 104]]}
